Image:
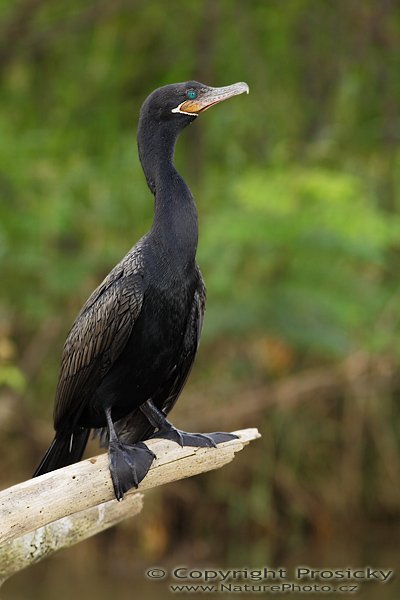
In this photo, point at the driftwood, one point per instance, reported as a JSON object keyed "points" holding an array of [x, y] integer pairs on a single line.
{"points": [[61, 508], [32, 547]]}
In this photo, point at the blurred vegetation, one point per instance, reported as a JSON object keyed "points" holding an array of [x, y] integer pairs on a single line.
{"points": [[298, 190]]}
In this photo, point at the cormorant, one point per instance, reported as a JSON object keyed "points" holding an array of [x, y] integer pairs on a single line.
{"points": [[132, 346]]}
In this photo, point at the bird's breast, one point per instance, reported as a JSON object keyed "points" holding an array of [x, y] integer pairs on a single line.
{"points": [[158, 344]]}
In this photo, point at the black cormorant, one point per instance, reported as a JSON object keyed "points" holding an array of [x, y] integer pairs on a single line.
{"points": [[131, 348]]}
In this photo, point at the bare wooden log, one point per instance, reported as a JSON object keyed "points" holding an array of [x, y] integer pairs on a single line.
{"points": [[35, 503], [36, 545]]}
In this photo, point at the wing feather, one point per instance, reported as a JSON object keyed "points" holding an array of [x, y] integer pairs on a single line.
{"points": [[98, 335]]}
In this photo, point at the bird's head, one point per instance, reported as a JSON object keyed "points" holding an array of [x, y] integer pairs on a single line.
{"points": [[180, 103], [163, 115]]}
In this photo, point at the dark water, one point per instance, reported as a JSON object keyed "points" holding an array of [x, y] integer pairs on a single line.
{"points": [[61, 578]]}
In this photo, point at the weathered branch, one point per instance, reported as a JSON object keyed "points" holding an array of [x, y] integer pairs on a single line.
{"points": [[32, 547], [58, 509]]}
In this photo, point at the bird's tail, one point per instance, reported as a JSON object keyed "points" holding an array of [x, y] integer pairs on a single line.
{"points": [[64, 450]]}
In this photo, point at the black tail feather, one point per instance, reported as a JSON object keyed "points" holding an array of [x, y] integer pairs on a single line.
{"points": [[64, 450]]}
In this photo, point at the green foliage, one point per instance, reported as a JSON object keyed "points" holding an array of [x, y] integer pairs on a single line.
{"points": [[12, 377], [301, 254]]}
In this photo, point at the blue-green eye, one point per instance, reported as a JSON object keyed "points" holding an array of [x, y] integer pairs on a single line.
{"points": [[191, 94]]}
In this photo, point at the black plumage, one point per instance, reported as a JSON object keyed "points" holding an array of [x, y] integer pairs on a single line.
{"points": [[131, 348]]}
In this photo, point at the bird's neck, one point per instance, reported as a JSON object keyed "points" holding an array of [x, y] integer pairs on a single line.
{"points": [[175, 218]]}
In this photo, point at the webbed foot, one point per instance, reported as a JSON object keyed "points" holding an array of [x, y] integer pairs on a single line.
{"points": [[199, 440], [129, 464]]}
